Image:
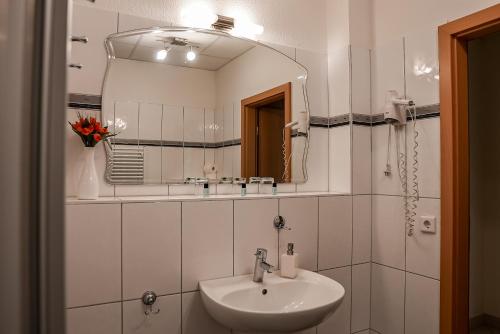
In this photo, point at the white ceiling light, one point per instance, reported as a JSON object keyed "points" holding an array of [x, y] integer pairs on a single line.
{"points": [[198, 15], [191, 55], [162, 54]]}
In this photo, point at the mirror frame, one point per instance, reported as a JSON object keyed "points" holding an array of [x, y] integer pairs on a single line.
{"points": [[108, 43]]}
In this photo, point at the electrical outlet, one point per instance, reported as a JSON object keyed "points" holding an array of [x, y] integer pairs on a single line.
{"points": [[427, 224]]}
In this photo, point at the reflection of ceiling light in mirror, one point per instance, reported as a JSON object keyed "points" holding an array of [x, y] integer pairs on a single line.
{"points": [[198, 15], [161, 55], [190, 55], [156, 31], [120, 124]]}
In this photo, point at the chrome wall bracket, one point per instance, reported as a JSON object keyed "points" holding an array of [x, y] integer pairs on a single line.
{"points": [[149, 299]]}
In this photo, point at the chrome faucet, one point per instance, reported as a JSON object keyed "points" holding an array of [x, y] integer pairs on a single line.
{"points": [[261, 265]]}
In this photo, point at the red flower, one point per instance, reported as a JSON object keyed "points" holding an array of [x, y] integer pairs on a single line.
{"points": [[87, 131], [97, 137]]}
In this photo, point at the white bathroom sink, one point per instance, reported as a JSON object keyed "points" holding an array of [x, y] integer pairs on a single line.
{"points": [[276, 305]]}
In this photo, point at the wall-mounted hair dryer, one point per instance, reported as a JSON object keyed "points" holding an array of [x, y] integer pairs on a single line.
{"points": [[395, 108], [301, 124]]}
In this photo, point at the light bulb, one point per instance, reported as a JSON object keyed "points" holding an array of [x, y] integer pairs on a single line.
{"points": [[198, 15], [190, 55], [162, 54]]}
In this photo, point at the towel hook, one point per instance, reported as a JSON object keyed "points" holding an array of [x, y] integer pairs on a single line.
{"points": [[148, 299]]}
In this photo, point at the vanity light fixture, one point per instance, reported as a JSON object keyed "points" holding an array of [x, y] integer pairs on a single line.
{"points": [[245, 28], [198, 15], [190, 55]]}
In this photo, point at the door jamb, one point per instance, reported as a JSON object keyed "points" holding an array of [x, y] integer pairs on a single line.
{"points": [[453, 38]]}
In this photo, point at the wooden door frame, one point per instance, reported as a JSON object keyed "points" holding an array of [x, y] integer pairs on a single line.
{"points": [[248, 114], [453, 38]]}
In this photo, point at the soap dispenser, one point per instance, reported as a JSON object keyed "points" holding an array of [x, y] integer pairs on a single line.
{"points": [[289, 262]]}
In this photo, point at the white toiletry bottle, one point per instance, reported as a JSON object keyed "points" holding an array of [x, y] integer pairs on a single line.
{"points": [[289, 262]]}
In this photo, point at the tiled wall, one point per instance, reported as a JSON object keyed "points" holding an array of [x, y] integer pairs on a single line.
{"points": [[405, 269], [168, 247]]}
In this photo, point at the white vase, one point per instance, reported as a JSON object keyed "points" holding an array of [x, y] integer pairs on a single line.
{"points": [[88, 186]]}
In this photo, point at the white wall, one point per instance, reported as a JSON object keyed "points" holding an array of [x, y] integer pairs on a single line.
{"points": [[294, 23], [484, 74]]}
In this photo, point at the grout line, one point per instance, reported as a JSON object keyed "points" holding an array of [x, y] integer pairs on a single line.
{"points": [[181, 208], [317, 238], [407, 271], [233, 236], [121, 264], [352, 256], [91, 305]]}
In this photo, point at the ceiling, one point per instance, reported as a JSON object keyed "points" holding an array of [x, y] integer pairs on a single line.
{"points": [[212, 51]]}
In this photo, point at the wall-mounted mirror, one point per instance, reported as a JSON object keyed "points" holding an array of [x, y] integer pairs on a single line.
{"points": [[193, 105]]}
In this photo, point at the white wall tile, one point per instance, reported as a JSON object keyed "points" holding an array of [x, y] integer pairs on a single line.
{"points": [[207, 241], [172, 164], [423, 249], [335, 232], [96, 24], [167, 321], [317, 162], [381, 183], [228, 128], [151, 248], [93, 254], [317, 80], [361, 279], [98, 319], [422, 305], [301, 215], [152, 164], [388, 231], [360, 80], [173, 123], [150, 120], [209, 125], [181, 189], [253, 228], [429, 156], [227, 163], [194, 160], [236, 160], [340, 321], [387, 72], [361, 229], [194, 124], [422, 69], [361, 160], [195, 319], [340, 159], [141, 190], [127, 120], [339, 81], [387, 300]]}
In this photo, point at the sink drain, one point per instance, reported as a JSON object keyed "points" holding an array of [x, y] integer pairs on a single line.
{"points": [[264, 291]]}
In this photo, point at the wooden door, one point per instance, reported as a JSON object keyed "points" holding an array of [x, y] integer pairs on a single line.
{"points": [[269, 147]]}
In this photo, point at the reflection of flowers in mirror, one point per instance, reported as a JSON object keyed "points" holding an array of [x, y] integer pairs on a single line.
{"points": [[90, 130]]}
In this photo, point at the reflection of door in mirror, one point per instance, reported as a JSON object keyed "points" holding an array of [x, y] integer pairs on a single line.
{"points": [[264, 146]]}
